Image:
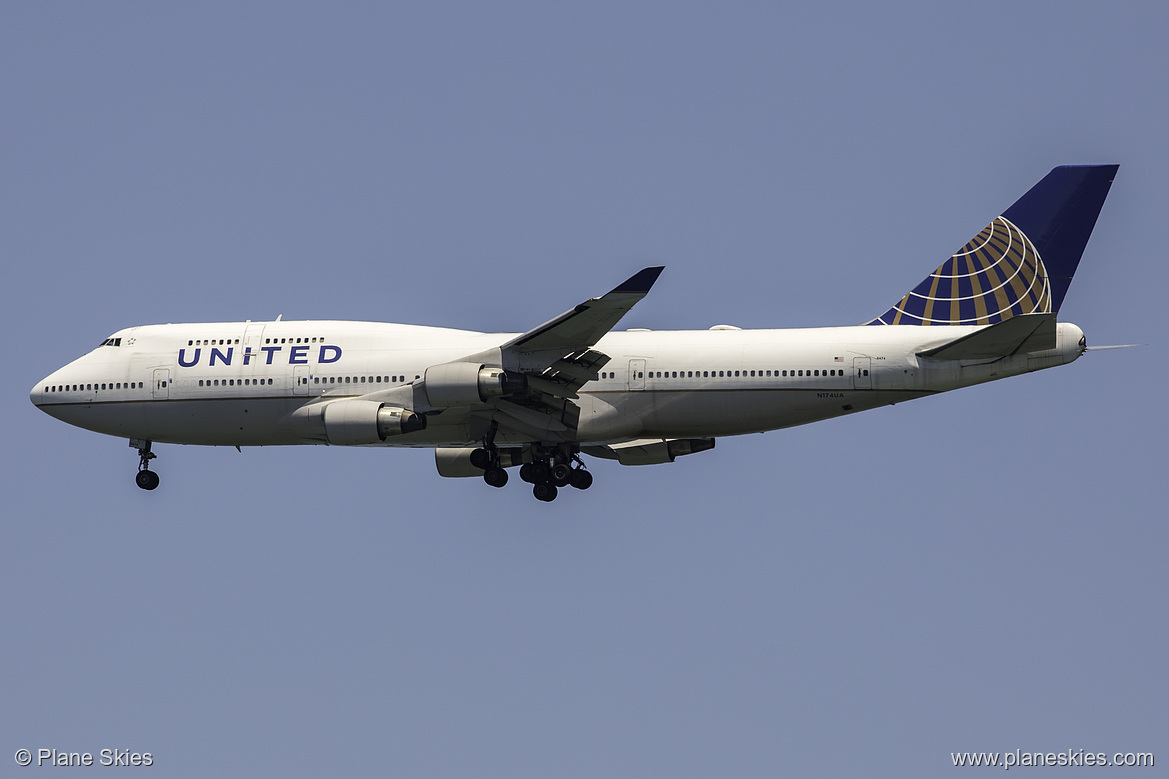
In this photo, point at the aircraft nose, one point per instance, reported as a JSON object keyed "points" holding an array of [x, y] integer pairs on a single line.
{"points": [[40, 391]]}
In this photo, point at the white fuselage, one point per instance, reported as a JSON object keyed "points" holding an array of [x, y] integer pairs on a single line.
{"points": [[259, 384]]}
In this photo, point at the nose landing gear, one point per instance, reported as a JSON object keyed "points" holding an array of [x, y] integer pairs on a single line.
{"points": [[146, 478]]}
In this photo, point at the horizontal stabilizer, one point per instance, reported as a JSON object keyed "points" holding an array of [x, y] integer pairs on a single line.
{"points": [[1019, 334]]}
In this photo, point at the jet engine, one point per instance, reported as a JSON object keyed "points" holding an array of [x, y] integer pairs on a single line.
{"points": [[467, 384], [357, 422], [456, 463]]}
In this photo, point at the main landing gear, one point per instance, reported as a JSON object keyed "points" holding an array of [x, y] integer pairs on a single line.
{"points": [[548, 471], [488, 459], [146, 478]]}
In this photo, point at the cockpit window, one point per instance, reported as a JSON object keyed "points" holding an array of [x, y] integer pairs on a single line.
{"points": [[112, 342]]}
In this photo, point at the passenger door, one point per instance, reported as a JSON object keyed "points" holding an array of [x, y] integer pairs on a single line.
{"points": [[300, 380], [161, 383], [253, 339], [861, 368], [636, 380]]}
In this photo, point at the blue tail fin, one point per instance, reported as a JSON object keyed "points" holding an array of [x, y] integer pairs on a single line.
{"points": [[1022, 263]]}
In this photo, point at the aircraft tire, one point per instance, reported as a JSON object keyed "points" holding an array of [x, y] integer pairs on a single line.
{"points": [[545, 491], [481, 458], [538, 472], [581, 479], [147, 480], [561, 475], [496, 477]]}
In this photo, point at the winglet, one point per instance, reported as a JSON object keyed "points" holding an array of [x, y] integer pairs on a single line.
{"points": [[640, 282]]}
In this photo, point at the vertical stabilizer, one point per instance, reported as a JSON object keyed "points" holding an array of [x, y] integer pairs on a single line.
{"points": [[1021, 263]]}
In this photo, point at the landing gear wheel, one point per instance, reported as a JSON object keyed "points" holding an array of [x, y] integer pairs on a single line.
{"points": [[561, 474], [481, 458], [496, 477], [581, 479], [147, 480], [526, 473], [538, 472], [545, 491]]}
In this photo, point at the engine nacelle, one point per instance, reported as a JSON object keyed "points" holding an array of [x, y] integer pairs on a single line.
{"points": [[456, 463], [467, 384], [359, 422]]}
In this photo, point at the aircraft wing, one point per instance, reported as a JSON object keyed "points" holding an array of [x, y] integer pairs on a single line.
{"points": [[584, 325], [544, 367], [557, 357]]}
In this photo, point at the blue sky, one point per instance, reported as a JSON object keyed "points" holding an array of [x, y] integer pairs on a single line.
{"points": [[979, 571]]}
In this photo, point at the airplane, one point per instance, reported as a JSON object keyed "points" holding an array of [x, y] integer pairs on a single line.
{"points": [[573, 386]]}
